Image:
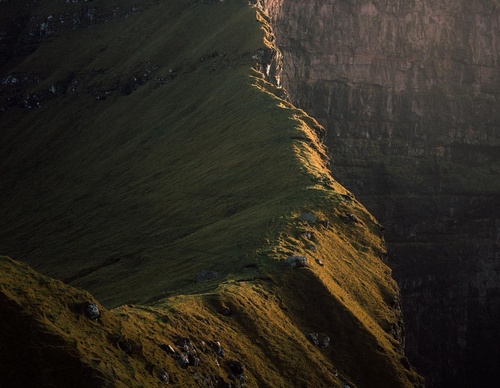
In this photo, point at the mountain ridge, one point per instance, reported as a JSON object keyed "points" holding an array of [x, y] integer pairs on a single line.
{"points": [[168, 177], [408, 94]]}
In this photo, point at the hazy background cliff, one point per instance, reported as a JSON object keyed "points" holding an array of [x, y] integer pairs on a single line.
{"points": [[409, 94]]}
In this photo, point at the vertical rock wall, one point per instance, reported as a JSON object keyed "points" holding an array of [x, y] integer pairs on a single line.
{"points": [[409, 92]]}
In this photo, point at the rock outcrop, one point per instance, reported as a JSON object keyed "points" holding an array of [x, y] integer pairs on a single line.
{"points": [[409, 94]]}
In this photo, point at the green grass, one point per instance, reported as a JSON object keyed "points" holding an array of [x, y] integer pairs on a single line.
{"points": [[180, 175], [131, 197]]}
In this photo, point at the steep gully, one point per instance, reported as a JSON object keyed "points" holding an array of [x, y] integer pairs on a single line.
{"points": [[409, 94]]}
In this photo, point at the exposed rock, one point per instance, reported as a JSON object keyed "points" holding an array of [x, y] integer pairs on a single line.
{"points": [[269, 63], [204, 276], [92, 312], [409, 93], [217, 348], [203, 346], [193, 360], [48, 25], [307, 217], [185, 345], [324, 341], [311, 247], [21, 79], [319, 339], [307, 235], [124, 84], [313, 337], [183, 360], [297, 261], [163, 376]]}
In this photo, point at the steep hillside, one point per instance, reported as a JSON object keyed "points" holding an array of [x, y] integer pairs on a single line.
{"points": [[149, 158], [408, 92]]}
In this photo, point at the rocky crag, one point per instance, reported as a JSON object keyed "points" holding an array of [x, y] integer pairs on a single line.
{"points": [[409, 92], [149, 157]]}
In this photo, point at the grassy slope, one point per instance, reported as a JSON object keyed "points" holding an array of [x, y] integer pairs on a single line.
{"points": [[131, 197]]}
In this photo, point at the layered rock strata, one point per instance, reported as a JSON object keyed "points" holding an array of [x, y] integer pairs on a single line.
{"points": [[409, 94]]}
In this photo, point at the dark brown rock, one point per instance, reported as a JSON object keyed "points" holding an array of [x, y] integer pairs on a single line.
{"points": [[409, 92]]}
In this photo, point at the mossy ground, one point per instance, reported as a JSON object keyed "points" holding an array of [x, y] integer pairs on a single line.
{"points": [[132, 195]]}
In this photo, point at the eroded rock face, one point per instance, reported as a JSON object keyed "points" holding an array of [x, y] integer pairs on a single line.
{"points": [[409, 94]]}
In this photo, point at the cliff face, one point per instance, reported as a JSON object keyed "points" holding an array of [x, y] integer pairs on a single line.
{"points": [[409, 94]]}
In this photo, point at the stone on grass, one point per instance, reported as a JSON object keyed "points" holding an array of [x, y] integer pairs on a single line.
{"points": [[319, 339], [92, 312], [311, 247], [307, 217], [193, 360], [183, 360], [324, 341], [217, 348], [306, 235], [203, 346], [204, 276], [185, 344], [164, 377], [297, 261]]}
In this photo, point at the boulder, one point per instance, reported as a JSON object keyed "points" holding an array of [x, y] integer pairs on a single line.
{"points": [[319, 339], [324, 341], [164, 377], [92, 312], [185, 345], [307, 217], [297, 261]]}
